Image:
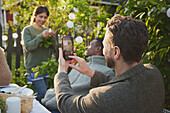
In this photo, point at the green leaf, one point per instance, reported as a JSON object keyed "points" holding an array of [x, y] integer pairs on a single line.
{"points": [[41, 44], [165, 42], [82, 15], [118, 8], [141, 15], [153, 2], [36, 74]]}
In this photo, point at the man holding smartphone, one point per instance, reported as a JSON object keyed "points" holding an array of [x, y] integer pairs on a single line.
{"points": [[80, 83], [136, 87]]}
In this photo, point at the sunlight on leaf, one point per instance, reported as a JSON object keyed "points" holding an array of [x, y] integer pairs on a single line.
{"points": [[36, 74]]}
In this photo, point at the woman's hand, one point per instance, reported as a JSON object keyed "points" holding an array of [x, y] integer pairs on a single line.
{"points": [[45, 33], [82, 67], [51, 33]]}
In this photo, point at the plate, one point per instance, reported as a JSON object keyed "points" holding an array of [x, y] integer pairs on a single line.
{"points": [[24, 92], [10, 85]]}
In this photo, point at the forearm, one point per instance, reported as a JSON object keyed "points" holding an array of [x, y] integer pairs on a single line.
{"points": [[29, 43], [66, 101]]}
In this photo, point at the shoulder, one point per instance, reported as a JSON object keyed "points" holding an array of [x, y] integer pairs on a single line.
{"points": [[1, 52], [152, 72], [27, 27], [102, 68], [152, 68]]}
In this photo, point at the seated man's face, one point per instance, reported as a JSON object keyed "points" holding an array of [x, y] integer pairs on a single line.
{"points": [[91, 49]]}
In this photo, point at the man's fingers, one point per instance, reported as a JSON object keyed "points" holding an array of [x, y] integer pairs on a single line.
{"points": [[74, 67], [73, 62], [78, 59], [60, 53], [68, 61]]}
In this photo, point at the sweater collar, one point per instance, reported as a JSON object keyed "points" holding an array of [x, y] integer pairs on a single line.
{"points": [[128, 74], [37, 28], [97, 60]]}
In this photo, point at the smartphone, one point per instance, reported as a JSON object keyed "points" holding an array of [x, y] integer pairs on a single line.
{"points": [[67, 46]]}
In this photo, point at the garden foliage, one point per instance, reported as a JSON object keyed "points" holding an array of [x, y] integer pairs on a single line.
{"points": [[152, 12], [85, 24]]}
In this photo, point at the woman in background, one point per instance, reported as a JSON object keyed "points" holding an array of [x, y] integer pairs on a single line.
{"points": [[5, 73], [34, 50]]}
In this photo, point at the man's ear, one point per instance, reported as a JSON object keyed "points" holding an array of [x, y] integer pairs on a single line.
{"points": [[98, 48], [99, 51], [116, 52]]}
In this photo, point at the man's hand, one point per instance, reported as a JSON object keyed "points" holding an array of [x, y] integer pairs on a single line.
{"points": [[82, 67], [63, 65]]}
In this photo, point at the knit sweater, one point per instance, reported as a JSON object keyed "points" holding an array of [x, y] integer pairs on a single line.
{"points": [[80, 83], [5, 73], [33, 53]]}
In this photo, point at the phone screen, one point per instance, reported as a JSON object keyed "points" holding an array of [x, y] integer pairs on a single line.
{"points": [[67, 45]]}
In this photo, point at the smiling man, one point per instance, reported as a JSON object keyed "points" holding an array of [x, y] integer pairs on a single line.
{"points": [[137, 87]]}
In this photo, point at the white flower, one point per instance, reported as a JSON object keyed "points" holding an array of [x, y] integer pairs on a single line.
{"points": [[70, 24], [15, 35], [71, 16], [4, 38], [79, 39]]}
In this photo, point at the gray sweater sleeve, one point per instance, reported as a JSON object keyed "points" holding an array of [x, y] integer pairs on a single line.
{"points": [[29, 43], [49, 100]]}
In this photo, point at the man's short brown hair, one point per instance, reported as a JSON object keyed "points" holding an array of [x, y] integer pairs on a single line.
{"points": [[130, 35]]}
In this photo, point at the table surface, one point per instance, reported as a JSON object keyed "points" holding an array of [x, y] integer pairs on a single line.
{"points": [[37, 107]]}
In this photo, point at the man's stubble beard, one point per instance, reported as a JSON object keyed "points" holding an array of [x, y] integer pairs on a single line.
{"points": [[110, 62]]}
